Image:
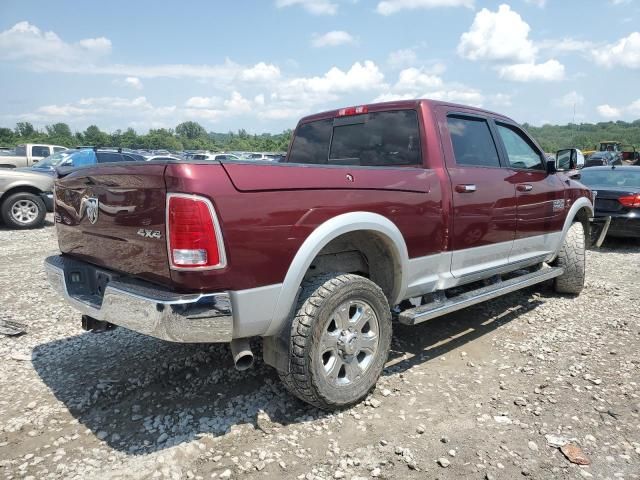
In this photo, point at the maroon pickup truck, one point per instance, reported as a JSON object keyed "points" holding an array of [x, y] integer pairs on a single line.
{"points": [[406, 210]]}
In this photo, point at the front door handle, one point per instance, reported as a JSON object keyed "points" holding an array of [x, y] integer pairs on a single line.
{"points": [[467, 188], [524, 187]]}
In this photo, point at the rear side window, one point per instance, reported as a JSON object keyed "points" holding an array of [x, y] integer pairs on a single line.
{"points": [[311, 142], [519, 150], [389, 138], [40, 151], [58, 149], [21, 151], [472, 141]]}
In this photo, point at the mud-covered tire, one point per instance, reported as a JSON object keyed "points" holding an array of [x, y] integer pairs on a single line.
{"points": [[321, 299], [14, 216], [572, 258]]}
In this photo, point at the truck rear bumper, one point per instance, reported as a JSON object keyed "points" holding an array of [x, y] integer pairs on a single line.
{"points": [[141, 307]]}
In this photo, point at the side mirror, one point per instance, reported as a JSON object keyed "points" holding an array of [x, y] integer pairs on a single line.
{"points": [[551, 167]]}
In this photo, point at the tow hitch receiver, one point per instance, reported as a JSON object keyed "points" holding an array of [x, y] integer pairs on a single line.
{"points": [[90, 324]]}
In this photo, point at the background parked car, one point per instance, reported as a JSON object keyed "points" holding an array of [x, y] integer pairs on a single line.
{"points": [[214, 156], [26, 195], [617, 193], [27, 155], [599, 159]]}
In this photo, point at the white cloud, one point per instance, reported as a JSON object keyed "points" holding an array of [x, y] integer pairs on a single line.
{"points": [[332, 39], [549, 71], [565, 45], [570, 99], [405, 57], [501, 100], [389, 7], [608, 111], [315, 7], [260, 72], [498, 36], [237, 103], [361, 76], [27, 42], [624, 53], [133, 82], [259, 99], [203, 102], [413, 79]]}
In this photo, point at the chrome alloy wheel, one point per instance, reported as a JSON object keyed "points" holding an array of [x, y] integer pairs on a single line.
{"points": [[349, 342], [24, 211]]}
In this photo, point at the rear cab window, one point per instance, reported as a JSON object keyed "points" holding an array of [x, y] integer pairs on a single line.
{"points": [[385, 139]]}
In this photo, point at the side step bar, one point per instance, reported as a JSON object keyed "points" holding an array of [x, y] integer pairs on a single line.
{"points": [[435, 309]]}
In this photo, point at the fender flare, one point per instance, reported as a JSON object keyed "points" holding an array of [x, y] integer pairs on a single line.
{"points": [[319, 238], [580, 203]]}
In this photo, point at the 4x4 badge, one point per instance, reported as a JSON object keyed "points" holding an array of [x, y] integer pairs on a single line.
{"points": [[149, 233]]}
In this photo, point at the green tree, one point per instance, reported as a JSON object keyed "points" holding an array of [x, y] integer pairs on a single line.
{"points": [[6, 137], [25, 129], [94, 136], [191, 130]]}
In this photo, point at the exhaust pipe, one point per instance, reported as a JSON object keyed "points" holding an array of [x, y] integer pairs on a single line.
{"points": [[241, 353]]}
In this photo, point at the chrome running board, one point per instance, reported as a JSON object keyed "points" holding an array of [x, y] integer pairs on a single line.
{"points": [[437, 308]]}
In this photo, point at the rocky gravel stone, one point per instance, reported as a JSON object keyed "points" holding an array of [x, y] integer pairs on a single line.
{"points": [[493, 391]]}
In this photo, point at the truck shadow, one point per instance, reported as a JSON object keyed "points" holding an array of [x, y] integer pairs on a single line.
{"points": [[141, 395]]}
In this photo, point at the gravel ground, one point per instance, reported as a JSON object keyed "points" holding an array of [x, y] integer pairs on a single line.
{"points": [[524, 386]]}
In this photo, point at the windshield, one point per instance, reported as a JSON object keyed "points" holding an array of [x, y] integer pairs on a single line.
{"points": [[53, 160], [611, 178]]}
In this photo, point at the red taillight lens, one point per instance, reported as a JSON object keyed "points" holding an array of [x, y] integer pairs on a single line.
{"points": [[630, 201], [194, 238]]}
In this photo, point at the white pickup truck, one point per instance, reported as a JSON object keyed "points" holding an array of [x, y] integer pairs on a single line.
{"points": [[26, 155]]}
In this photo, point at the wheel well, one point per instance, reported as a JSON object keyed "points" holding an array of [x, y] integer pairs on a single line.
{"points": [[583, 216], [20, 189], [364, 252]]}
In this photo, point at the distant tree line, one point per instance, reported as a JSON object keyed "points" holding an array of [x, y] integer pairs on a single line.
{"points": [[193, 136], [186, 136], [585, 135]]}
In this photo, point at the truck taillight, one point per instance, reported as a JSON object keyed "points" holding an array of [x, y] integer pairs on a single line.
{"points": [[345, 112], [630, 201], [193, 233]]}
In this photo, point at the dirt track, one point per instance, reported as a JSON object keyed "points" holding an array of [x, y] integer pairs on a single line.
{"points": [[477, 394]]}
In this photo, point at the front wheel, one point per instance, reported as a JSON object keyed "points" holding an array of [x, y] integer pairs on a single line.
{"points": [[572, 258], [23, 210], [340, 340]]}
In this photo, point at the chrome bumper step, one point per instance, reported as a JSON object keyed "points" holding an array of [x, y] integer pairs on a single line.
{"points": [[435, 309]]}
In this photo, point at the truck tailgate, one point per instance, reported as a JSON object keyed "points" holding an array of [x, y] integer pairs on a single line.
{"points": [[113, 216]]}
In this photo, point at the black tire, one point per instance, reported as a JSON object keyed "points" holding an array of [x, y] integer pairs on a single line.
{"points": [[29, 198], [572, 259], [317, 307]]}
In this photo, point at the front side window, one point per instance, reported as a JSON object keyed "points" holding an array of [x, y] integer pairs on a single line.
{"points": [[104, 157], [519, 150], [37, 151], [472, 142]]}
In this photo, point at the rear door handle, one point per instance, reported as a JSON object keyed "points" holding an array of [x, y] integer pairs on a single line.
{"points": [[524, 187], [467, 188]]}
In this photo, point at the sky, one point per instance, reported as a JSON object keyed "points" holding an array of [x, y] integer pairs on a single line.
{"points": [[262, 64]]}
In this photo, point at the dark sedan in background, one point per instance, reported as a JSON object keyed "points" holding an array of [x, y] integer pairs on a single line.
{"points": [[617, 193], [599, 159]]}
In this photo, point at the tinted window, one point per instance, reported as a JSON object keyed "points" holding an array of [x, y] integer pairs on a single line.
{"points": [[520, 152], [311, 142], [255, 155], [472, 142], [104, 157], [58, 149], [199, 156], [21, 151], [377, 139], [132, 157], [40, 151]]}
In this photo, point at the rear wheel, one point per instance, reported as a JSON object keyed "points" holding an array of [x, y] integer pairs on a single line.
{"points": [[23, 210], [340, 339], [572, 259]]}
